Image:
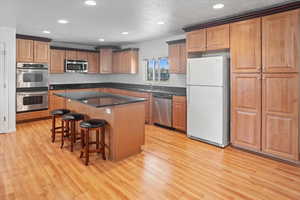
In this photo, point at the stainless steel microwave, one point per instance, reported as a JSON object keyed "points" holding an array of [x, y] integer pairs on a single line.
{"points": [[79, 66], [30, 75]]}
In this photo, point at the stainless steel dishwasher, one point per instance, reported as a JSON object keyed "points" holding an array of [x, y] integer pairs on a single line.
{"points": [[162, 109]]}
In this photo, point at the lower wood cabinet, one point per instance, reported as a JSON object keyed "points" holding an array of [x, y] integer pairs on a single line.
{"points": [[280, 111], [265, 113], [26, 116], [179, 113], [246, 111]]}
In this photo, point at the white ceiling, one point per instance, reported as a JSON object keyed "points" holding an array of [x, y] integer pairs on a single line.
{"points": [[111, 17]]}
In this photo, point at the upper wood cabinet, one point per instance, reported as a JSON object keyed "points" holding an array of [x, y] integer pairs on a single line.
{"points": [[280, 110], [217, 37], [177, 58], [57, 61], [245, 46], [246, 110], [32, 51], [117, 62], [196, 41], [93, 62], [105, 60], [280, 42], [71, 54], [25, 50], [82, 55], [179, 112], [125, 61], [41, 52]]}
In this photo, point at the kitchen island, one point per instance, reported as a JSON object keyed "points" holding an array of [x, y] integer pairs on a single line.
{"points": [[125, 132]]}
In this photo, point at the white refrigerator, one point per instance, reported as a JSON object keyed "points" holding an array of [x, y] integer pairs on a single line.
{"points": [[208, 96]]}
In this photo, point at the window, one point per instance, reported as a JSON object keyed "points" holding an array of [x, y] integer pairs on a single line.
{"points": [[158, 69]]}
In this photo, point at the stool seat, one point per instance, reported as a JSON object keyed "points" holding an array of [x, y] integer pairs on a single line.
{"points": [[59, 112], [93, 123], [73, 116]]}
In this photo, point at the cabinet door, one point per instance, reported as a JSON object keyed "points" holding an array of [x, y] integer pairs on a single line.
{"points": [[174, 58], [82, 55], [183, 58], [246, 110], [179, 113], [218, 37], [280, 115], [116, 62], [280, 42], [57, 61], [24, 50], [106, 61], [71, 55], [134, 62], [41, 52], [245, 46], [93, 62], [196, 41]]}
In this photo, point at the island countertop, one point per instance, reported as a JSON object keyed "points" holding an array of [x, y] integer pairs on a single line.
{"points": [[99, 99]]}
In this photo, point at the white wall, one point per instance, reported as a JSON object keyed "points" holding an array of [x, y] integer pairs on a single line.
{"points": [[150, 49], [8, 105]]}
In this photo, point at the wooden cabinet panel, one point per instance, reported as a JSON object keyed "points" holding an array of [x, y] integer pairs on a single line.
{"points": [[174, 58], [71, 55], [177, 58], [93, 59], [280, 111], [125, 62], [245, 46], [57, 61], [196, 41], [280, 42], [246, 110], [82, 55], [218, 37], [116, 62], [183, 58], [179, 112], [24, 50], [105, 61], [41, 52], [56, 102]]}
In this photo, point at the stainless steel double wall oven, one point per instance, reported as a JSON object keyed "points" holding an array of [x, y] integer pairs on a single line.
{"points": [[32, 87]]}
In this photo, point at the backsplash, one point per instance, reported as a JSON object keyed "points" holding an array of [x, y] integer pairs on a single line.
{"points": [[69, 78]]}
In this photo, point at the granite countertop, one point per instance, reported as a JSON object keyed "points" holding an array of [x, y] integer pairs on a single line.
{"points": [[99, 99], [178, 91]]}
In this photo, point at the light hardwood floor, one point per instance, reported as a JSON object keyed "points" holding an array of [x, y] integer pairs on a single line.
{"points": [[170, 167]]}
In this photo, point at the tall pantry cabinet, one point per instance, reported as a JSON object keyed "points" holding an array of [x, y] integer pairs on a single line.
{"points": [[265, 83]]}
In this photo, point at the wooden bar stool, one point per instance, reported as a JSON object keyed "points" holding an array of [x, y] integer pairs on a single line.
{"points": [[57, 114], [86, 127], [70, 120]]}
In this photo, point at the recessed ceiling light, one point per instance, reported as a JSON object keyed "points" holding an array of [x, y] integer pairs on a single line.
{"points": [[63, 21], [46, 32], [90, 2], [218, 6], [101, 40], [125, 33], [160, 22]]}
